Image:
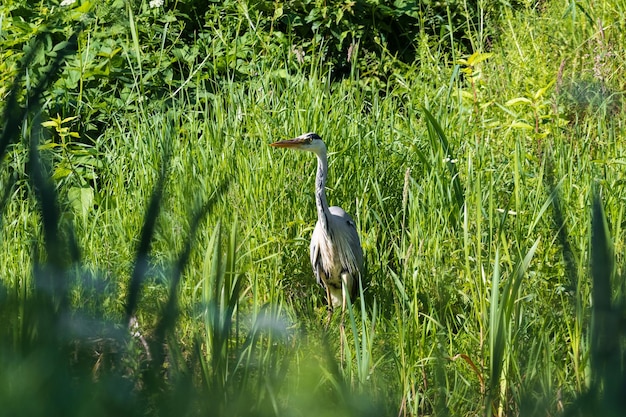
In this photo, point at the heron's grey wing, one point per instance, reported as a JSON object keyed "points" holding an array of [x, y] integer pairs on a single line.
{"points": [[343, 224], [315, 254], [355, 243]]}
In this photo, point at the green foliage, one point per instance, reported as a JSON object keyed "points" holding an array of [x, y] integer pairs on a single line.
{"points": [[155, 249]]}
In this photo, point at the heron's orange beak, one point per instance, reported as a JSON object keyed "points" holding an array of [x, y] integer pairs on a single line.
{"points": [[290, 143]]}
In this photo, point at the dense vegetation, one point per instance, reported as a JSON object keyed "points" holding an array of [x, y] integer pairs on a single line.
{"points": [[155, 249]]}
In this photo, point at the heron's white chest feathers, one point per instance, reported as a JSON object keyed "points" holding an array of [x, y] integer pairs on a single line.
{"points": [[333, 255], [329, 256]]}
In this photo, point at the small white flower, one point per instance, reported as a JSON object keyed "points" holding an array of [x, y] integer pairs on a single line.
{"points": [[66, 3], [155, 3], [510, 212]]}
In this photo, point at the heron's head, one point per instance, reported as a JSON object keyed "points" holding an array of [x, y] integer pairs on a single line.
{"points": [[308, 142]]}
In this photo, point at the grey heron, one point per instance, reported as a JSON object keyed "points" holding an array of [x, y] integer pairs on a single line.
{"points": [[336, 254]]}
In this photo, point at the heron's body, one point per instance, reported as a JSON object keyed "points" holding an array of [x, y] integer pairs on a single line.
{"points": [[336, 254]]}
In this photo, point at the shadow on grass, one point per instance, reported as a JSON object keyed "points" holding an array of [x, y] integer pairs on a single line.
{"points": [[605, 395]]}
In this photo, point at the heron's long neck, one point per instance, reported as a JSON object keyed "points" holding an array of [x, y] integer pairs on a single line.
{"points": [[320, 193]]}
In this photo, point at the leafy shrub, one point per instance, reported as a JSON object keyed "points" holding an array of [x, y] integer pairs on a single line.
{"points": [[137, 53], [383, 30]]}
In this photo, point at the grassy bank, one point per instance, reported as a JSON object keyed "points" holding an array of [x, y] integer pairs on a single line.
{"points": [[486, 188]]}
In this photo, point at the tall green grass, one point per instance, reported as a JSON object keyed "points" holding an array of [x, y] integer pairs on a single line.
{"points": [[489, 209]]}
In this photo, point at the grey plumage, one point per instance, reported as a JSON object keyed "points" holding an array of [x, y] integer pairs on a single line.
{"points": [[336, 254]]}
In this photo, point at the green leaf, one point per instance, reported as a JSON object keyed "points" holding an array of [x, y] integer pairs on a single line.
{"points": [[278, 12], [543, 90], [48, 145], [81, 199], [61, 172], [517, 100], [521, 125], [478, 57], [85, 7], [68, 119]]}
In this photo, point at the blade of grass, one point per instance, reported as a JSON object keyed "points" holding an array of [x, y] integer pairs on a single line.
{"points": [[436, 132], [141, 263], [605, 357]]}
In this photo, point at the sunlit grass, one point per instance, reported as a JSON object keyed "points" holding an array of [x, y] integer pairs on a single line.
{"points": [[473, 201]]}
